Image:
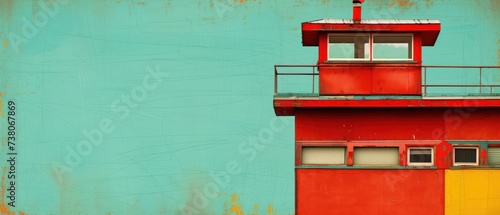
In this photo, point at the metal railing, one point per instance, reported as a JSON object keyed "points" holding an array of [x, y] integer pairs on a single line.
{"points": [[480, 76], [314, 73], [427, 83]]}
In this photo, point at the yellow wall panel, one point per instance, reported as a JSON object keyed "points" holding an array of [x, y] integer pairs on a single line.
{"points": [[472, 192]]}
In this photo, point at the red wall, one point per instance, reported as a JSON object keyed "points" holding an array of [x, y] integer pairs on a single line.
{"points": [[397, 124], [367, 80], [369, 192]]}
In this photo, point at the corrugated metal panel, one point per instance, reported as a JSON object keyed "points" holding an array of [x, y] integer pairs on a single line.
{"points": [[377, 21], [494, 156]]}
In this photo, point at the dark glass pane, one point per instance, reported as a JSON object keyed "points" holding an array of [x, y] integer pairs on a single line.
{"points": [[421, 155], [465, 155], [421, 158]]}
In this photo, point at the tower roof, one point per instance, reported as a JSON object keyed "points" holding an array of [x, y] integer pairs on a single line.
{"points": [[429, 28]]}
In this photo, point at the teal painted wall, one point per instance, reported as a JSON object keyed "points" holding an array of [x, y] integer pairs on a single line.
{"points": [[165, 107]]}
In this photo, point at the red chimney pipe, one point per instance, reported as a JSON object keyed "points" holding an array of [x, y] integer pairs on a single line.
{"points": [[356, 10]]}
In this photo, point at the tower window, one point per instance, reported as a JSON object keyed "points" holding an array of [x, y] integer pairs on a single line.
{"points": [[370, 47], [349, 47], [392, 47]]}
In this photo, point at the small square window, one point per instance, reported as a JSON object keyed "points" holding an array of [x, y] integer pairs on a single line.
{"points": [[323, 155], [420, 156], [466, 156]]}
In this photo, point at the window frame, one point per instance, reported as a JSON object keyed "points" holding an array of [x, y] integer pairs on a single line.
{"points": [[394, 35], [370, 47], [375, 147], [496, 147], [323, 146], [420, 163], [463, 163], [349, 59]]}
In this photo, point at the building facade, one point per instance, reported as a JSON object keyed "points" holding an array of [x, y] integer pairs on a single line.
{"points": [[372, 138]]}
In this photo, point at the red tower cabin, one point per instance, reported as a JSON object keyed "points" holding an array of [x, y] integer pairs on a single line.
{"points": [[370, 137]]}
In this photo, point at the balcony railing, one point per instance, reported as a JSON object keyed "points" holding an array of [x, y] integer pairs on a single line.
{"points": [[436, 80]]}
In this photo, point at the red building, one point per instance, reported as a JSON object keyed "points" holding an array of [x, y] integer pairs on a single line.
{"points": [[368, 137]]}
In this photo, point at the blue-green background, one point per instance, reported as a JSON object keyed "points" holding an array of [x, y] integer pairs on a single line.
{"points": [[216, 59]]}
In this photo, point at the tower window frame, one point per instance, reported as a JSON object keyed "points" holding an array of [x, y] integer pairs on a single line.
{"points": [[356, 50]]}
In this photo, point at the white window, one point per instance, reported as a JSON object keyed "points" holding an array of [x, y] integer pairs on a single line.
{"points": [[319, 155], [349, 47], [494, 156], [378, 156], [392, 47], [420, 156], [374, 47], [466, 156]]}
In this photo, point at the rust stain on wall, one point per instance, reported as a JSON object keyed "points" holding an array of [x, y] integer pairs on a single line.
{"points": [[5, 43], [495, 6], [1, 106], [498, 52], [255, 210], [6, 7], [235, 205], [270, 210], [402, 3], [4, 207], [428, 3]]}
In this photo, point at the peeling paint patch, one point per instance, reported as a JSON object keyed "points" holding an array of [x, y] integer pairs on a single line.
{"points": [[141, 3]]}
